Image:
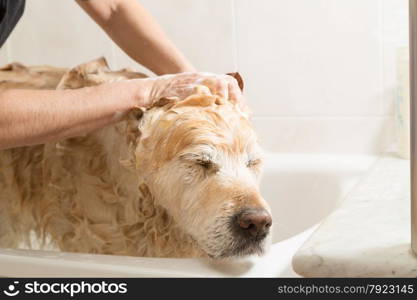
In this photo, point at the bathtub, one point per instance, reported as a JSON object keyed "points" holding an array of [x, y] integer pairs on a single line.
{"points": [[302, 190]]}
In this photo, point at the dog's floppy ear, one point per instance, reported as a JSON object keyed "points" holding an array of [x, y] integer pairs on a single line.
{"points": [[238, 78], [16, 67], [94, 72], [84, 75], [135, 113]]}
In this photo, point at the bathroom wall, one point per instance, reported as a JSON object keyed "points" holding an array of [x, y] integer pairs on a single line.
{"points": [[320, 74]]}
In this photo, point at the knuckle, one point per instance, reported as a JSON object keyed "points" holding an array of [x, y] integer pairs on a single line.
{"points": [[221, 85], [232, 81]]}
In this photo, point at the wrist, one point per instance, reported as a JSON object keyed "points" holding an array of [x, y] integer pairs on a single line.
{"points": [[175, 68], [184, 68], [139, 92]]}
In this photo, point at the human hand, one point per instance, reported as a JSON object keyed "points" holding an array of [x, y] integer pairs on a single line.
{"points": [[184, 84]]}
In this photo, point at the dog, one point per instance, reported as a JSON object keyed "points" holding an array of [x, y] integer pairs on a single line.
{"points": [[180, 179]]}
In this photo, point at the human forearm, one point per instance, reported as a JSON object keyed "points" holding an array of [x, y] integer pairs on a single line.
{"points": [[138, 34], [29, 117]]}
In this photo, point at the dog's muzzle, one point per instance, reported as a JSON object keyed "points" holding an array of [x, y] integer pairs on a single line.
{"points": [[250, 227]]}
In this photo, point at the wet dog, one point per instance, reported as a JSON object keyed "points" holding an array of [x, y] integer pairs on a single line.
{"points": [[180, 179]]}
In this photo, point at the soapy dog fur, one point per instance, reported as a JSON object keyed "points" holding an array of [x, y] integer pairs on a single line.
{"points": [[165, 182]]}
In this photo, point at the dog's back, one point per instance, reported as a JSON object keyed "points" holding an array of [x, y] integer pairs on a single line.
{"points": [[36, 182], [21, 168]]}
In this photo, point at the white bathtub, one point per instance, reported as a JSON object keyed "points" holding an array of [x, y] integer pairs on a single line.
{"points": [[301, 189]]}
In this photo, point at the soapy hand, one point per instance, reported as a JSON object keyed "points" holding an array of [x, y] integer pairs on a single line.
{"points": [[184, 84]]}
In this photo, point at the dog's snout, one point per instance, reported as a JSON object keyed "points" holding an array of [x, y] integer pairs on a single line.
{"points": [[256, 222]]}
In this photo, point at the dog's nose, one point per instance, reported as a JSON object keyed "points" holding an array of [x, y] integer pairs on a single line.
{"points": [[255, 221]]}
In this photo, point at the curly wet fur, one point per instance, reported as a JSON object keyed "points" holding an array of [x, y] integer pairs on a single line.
{"points": [[98, 194]]}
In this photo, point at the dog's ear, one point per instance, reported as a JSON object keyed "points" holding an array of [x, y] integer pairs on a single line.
{"points": [[84, 75], [238, 78], [135, 113], [164, 102], [94, 72], [14, 67]]}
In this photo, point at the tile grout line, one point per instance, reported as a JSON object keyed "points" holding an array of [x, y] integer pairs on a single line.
{"points": [[381, 24], [234, 36], [113, 54], [323, 117], [9, 56]]}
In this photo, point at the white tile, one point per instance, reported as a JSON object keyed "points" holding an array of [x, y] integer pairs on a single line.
{"points": [[367, 135], [305, 58], [395, 21], [60, 33], [202, 29], [4, 54], [321, 60], [394, 40], [57, 33]]}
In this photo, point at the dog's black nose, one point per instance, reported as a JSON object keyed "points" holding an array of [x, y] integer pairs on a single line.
{"points": [[256, 222]]}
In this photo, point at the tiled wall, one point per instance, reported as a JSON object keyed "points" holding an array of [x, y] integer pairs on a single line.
{"points": [[319, 74]]}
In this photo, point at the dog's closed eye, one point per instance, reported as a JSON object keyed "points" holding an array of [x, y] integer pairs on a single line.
{"points": [[253, 163], [203, 160], [206, 164], [209, 166]]}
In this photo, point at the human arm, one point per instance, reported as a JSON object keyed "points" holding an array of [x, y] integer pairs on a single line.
{"points": [[136, 32], [29, 117]]}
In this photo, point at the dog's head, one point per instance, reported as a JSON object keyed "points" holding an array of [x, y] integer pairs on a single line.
{"points": [[201, 161]]}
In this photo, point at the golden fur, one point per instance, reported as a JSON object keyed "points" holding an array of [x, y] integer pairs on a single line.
{"points": [[164, 184]]}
